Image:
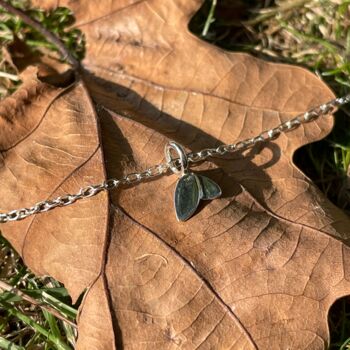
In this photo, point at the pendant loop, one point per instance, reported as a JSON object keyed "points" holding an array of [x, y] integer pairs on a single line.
{"points": [[182, 157]]}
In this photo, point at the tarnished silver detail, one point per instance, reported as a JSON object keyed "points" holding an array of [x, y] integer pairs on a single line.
{"points": [[176, 164], [190, 188], [182, 157]]}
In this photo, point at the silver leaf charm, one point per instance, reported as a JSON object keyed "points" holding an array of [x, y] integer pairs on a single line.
{"points": [[190, 189], [210, 188]]}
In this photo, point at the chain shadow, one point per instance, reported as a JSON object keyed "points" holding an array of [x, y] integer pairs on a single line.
{"points": [[115, 144]]}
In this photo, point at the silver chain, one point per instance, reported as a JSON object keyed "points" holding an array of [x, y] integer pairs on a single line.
{"points": [[193, 157]]}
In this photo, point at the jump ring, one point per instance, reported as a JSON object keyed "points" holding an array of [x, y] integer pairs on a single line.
{"points": [[182, 157]]}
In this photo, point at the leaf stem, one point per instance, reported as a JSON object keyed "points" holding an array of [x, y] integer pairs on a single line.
{"points": [[50, 37]]}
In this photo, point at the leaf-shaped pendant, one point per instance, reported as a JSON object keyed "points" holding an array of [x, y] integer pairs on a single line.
{"points": [[210, 189], [187, 196], [190, 189]]}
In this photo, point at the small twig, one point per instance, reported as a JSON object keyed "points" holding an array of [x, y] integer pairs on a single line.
{"points": [[50, 37], [7, 287], [10, 76], [210, 18]]}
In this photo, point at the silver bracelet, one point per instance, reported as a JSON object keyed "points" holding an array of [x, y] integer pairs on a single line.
{"points": [[190, 188]]}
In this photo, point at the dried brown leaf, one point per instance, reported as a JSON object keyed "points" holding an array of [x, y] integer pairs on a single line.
{"points": [[258, 268]]}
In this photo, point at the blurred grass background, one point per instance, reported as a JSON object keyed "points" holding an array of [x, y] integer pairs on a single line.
{"points": [[311, 33]]}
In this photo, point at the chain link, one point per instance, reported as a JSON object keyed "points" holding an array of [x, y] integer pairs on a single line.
{"points": [[86, 192], [194, 157], [272, 134]]}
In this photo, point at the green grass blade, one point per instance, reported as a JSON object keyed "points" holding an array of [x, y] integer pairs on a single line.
{"points": [[63, 308], [37, 327], [345, 345], [8, 345], [51, 320]]}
